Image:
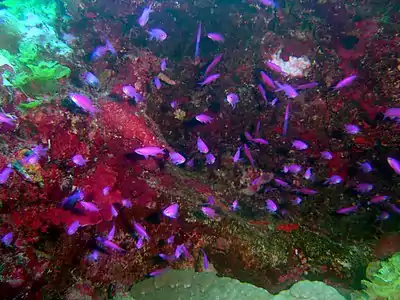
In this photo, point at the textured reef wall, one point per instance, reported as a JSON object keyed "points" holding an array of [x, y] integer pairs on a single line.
{"points": [[43, 257]]}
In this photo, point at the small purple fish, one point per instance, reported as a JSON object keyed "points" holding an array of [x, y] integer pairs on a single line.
{"points": [[111, 48], [248, 136], [394, 164], [114, 212], [129, 90], [299, 145], [7, 119], [201, 146], [236, 157], [210, 159], [197, 47], [157, 82], [5, 174], [202, 118], [174, 104], [89, 206], [292, 168], [274, 101], [139, 243], [296, 201], [271, 205], [157, 34], [209, 212], [351, 129], [326, 155], [181, 249], [274, 67], [106, 191], [345, 82], [347, 210], [205, 259], [79, 160], [383, 216], [170, 240], [73, 228], [365, 167], [111, 233], [176, 158], [378, 199], [393, 113], [149, 151], [112, 246], [210, 200], [307, 86], [286, 120], [248, 155], [262, 92], [269, 3], [90, 79], [267, 80], [83, 102], [364, 187], [163, 64], [216, 37], [308, 173], [306, 191], [98, 53], [172, 211], [158, 272], [210, 79], [214, 62], [93, 256], [126, 203], [232, 99], [288, 89], [141, 231], [280, 182], [70, 201], [144, 18], [260, 141], [235, 205], [334, 179], [7, 239]]}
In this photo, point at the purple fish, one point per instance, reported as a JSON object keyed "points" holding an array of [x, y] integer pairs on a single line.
{"points": [[7, 239], [149, 151], [274, 67], [202, 118], [326, 155], [364, 187], [214, 62], [308, 173], [112, 246], [383, 216], [129, 90], [235, 205], [394, 164], [7, 119], [106, 191], [98, 53], [33, 158], [176, 158], [232, 99], [271, 205], [210, 200], [73, 228], [157, 82], [144, 18], [170, 240], [345, 82], [89, 206], [111, 233], [141, 231], [288, 89], [210, 79], [205, 259], [209, 212], [296, 201], [334, 179], [269, 3], [286, 120], [163, 64], [110, 47], [90, 79], [236, 157], [299, 145], [378, 199], [394, 208], [172, 211], [70, 201], [5, 174], [260, 141], [114, 212], [158, 272], [347, 210], [274, 101], [166, 257], [365, 167], [248, 136], [126, 203], [216, 37], [292, 168], [201, 146], [306, 191], [93, 256], [393, 113], [157, 34], [83, 102], [210, 159], [181, 249], [174, 104], [258, 129], [139, 243], [79, 160], [351, 129], [280, 182], [267, 80], [307, 86], [262, 92], [197, 47], [248, 155]]}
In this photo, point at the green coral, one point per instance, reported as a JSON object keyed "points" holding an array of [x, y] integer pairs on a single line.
{"points": [[189, 285], [20, 9], [383, 278]]}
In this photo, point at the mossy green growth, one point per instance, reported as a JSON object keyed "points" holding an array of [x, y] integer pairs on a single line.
{"points": [[383, 279], [46, 9]]}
